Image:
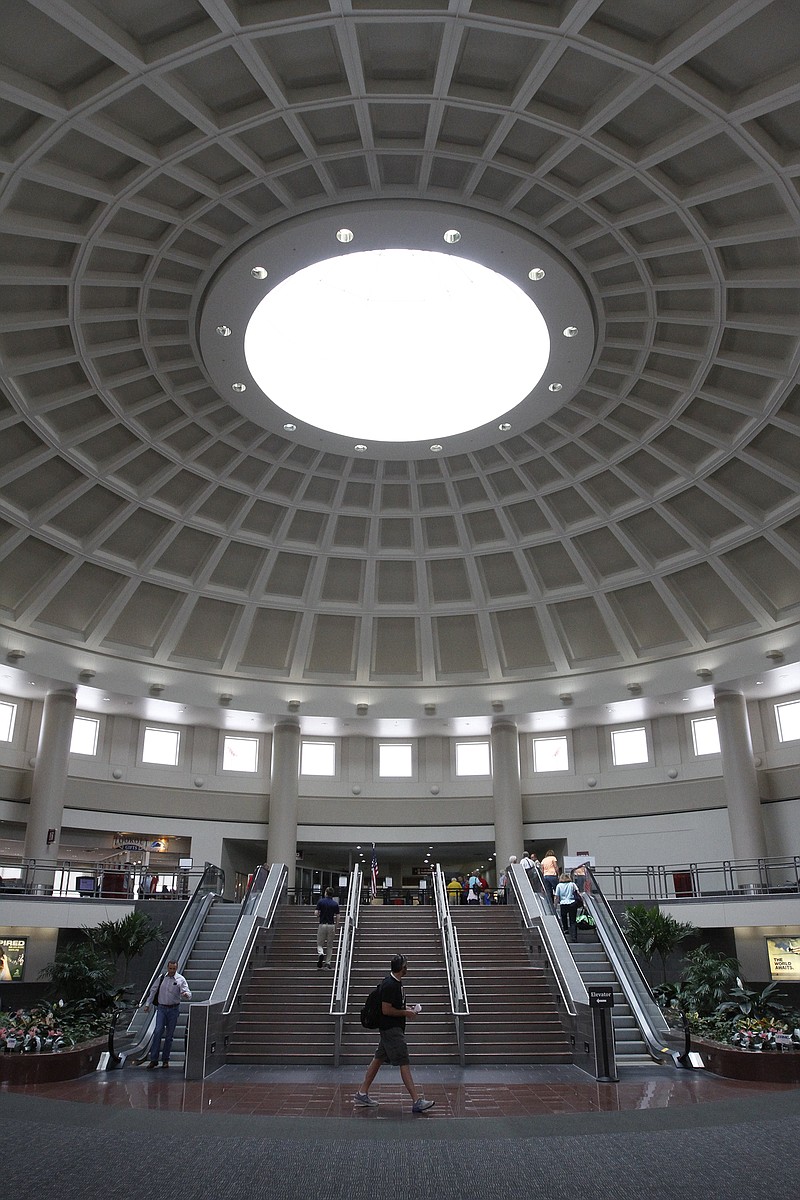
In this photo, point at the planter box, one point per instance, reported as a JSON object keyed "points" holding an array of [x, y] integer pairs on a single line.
{"points": [[51, 1066], [757, 1066]]}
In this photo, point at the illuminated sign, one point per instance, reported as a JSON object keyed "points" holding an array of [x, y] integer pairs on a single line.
{"points": [[784, 958], [12, 959]]}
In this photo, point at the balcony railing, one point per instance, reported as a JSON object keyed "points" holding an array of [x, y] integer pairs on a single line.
{"points": [[727, 879]]}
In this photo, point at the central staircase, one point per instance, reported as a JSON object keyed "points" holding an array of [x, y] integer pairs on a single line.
{"points": [[513, 1015]]}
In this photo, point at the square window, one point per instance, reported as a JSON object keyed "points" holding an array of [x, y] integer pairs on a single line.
{"points": [[473, 758], [8, 716], [395, 760], [161, 746], [318, 758], [240, 754], [550, 754], [629, 746], [85, 733], [788, 717], [705, 735]]}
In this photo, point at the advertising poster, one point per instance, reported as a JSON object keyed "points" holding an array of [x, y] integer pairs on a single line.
{"points": [[12, 959], [784, 958]]}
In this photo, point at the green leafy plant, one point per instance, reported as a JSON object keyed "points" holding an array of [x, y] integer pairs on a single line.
{"points": [[651, 932], [743, 1001], [81, 972], [126, 939], [708, 977]]}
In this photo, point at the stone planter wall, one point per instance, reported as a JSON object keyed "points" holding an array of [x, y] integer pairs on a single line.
{"points": [[51, 1066], [758, 1066]]}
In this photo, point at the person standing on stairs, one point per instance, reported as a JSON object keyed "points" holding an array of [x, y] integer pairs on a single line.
{"points": [[327, 915], [166, 993], [568, 899], [392, 1047]]}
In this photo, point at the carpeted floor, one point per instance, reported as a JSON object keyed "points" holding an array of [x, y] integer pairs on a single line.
{"points": [[105, 1151]]}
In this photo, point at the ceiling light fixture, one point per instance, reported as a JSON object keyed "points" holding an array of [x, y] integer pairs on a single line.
{"points": [[289, 427], [554, 387], [259, 272], [536, 273], [239, 387], [570, 331], [344, 236], [360, 448], [504, 427], [452, 236], [436, 448], [224, 330]]}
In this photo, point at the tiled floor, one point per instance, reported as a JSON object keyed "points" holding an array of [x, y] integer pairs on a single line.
{"points": [[470, 1092]]}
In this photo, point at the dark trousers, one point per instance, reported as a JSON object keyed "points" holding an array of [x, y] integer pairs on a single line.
{"points": [[569, 920]]}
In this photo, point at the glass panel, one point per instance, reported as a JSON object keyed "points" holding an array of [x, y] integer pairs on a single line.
{"points": [[395, 759], [85, 732], [705, 735], [318, 758], [472, 758], [240, 754], [8, 715], [629, 746], [161, 746], [788, 721], [550, 754]]}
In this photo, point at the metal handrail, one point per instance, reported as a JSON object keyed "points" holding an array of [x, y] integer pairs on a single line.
{"points": [[459, 1004], [731, 878], [340, 993]]}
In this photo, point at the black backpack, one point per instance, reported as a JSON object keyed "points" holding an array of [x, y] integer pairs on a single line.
{"points": [[371, 1012]]}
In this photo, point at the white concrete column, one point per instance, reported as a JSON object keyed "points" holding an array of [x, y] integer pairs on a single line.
{"points": [[283, 796], [739, 776], [46, 809], [507, 793]]}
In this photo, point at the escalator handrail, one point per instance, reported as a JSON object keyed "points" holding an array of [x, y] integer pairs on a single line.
{"points": [[177, 948], [265, 901], [649, 1017], [533, 900]]}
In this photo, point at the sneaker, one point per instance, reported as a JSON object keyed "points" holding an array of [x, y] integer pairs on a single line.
{"points": [[363, 1100], [151, 1066], [422, 1105], [320, 962]]}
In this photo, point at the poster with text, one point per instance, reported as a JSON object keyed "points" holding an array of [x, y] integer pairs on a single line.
{"points": [[12, 959], [784, 958]]}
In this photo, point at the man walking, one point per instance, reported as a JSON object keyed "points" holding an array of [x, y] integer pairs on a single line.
{"points": [[327, 914], [166, 993], [392, 1047]]}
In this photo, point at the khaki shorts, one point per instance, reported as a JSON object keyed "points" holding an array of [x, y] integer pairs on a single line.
{"points": [[392, 1048]]}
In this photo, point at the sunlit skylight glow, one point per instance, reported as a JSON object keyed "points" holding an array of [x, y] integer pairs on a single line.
{"points": [[396, 345]]}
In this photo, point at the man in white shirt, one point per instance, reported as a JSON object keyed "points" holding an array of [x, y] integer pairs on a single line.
{"points": [[166, 993]]}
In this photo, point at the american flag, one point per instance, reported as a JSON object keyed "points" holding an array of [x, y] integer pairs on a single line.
{"points": [[373, 879]]}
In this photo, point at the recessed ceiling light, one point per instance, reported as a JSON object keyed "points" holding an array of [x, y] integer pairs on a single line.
{"points": [[344, 235], [360, 448], [504, 428], [452, 236], [239, 387], [571, 331], [536, 273], [259, 272], [436, 448], [223, 330], [554, 387], [289, 427]]}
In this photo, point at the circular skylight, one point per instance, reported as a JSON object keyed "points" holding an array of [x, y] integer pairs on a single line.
{"points": [[396, 345]]}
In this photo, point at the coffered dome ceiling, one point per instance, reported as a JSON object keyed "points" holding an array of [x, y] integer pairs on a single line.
{"points": [[646, 528]]}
